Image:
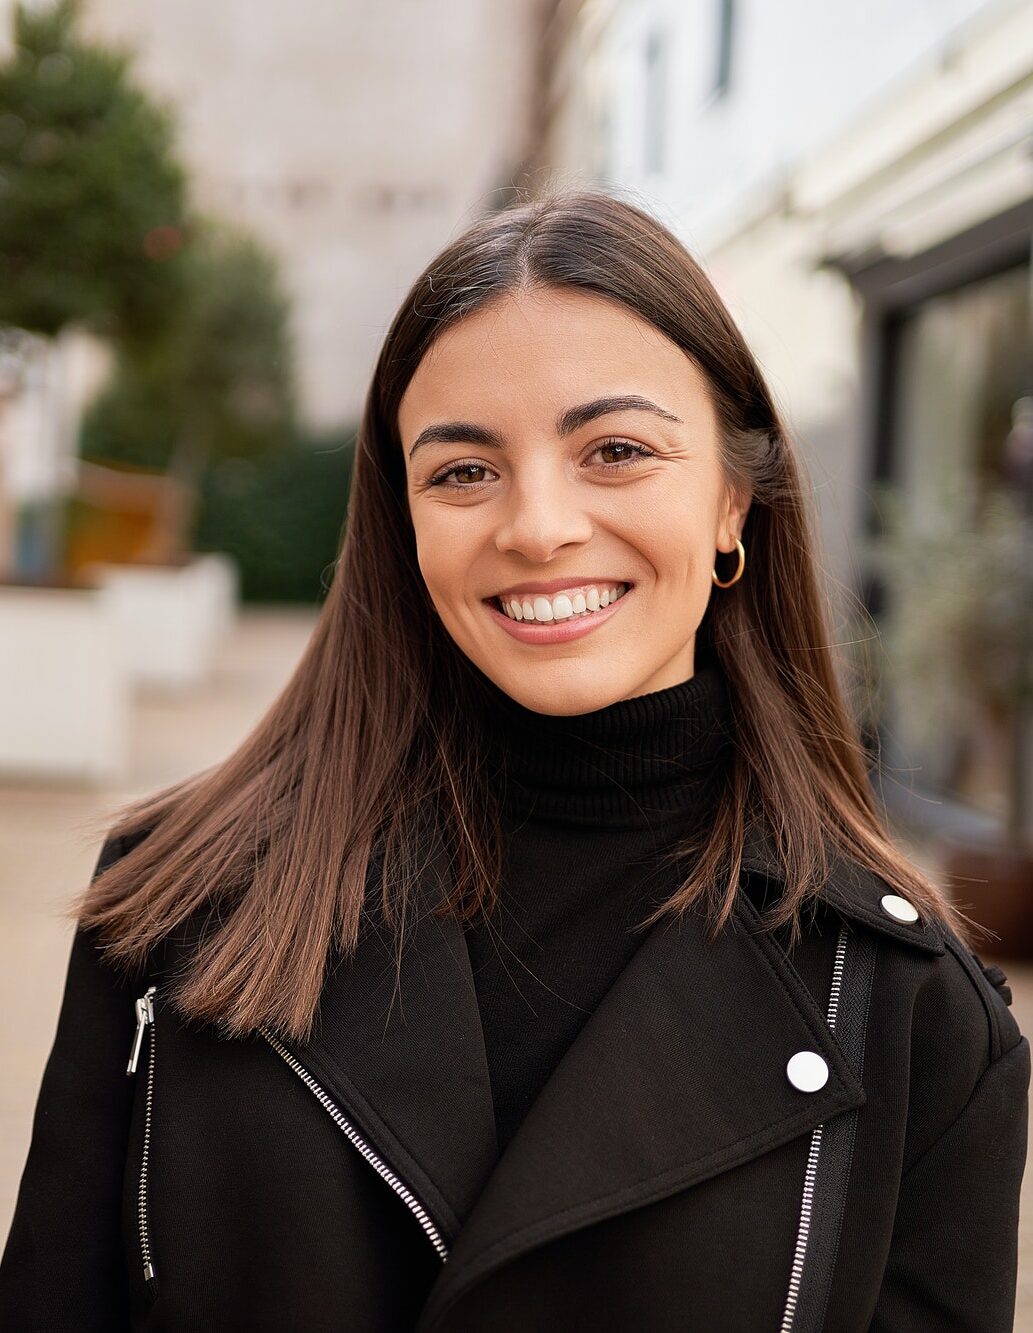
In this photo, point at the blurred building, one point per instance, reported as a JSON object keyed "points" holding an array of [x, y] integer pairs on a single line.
{"points": [[858, 181], [353, 138]]}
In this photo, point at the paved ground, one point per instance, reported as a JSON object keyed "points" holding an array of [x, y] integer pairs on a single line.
{"points": [[47, 853]]}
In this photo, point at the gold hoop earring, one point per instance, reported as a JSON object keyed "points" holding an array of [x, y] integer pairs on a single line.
{"points": [[738, 573]]}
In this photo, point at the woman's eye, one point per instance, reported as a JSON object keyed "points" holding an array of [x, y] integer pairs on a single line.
{"points": [[451, 476], [455, 470], [637, 452]]}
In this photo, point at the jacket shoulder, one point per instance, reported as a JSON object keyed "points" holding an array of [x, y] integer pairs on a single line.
{"points": [[945, 1010], [88, 939], [954, 988], [988, 982], [959, 990], [952, 1009], [116, 846], [961, 1027]]}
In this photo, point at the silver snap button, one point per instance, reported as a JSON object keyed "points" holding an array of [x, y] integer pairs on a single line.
{"points": [[898, 908], [807, 1071]]}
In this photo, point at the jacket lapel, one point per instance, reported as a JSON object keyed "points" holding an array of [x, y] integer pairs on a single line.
{"points": [[678, 1075], [403, 1055]]}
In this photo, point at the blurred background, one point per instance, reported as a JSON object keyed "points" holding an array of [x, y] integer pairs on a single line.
{"points": [[208, 215]]}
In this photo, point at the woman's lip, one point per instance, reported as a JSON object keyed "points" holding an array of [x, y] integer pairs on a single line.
{"points": [[552, 586], [556, 631]]}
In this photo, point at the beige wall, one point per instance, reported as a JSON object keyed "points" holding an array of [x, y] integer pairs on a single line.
{"points": [[6, 27], [354, 137]]}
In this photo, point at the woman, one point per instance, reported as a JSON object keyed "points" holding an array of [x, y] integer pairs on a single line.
{"points": [[540, 961]]}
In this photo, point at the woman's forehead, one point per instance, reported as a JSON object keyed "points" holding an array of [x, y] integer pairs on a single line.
{"points": [[541, 353]]}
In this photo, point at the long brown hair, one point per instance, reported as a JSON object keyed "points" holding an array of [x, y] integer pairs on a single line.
{"points": [[280, 843]]}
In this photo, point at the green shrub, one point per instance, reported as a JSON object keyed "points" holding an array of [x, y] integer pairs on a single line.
{"points": [[280, 517]]}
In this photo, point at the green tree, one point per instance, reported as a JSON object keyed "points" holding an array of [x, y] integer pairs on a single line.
{"points": [[91, 206], [91, 193], [217, 383]]}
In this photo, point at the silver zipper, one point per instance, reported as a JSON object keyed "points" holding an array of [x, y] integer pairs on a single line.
{"points": [[144, 1019], [378, 1164], [811, 1172]]}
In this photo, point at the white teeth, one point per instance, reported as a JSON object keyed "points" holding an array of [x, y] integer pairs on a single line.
{"points": [[564, 605]]}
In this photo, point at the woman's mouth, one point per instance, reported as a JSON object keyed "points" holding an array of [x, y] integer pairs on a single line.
{"points": [[562, 616]]}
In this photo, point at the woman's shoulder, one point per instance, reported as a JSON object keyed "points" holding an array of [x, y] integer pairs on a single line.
{"points": [[949, 985], [955, 981], [169, 951], [940, 1013], [963, 1028], [937, 1009], [115, 846]]}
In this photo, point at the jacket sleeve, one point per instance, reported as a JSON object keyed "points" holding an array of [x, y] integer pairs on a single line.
{"points": [[953, 1260], [63, 1267]]}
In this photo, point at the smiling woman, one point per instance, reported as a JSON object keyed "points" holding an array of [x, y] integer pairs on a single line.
{"points": [[551, 383], [684, 1040]]}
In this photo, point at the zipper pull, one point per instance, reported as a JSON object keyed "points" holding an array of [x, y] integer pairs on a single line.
{"points": [[144, 1015]]}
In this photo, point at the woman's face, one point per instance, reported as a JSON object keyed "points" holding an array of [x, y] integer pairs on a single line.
{"points": [[528, 477]]}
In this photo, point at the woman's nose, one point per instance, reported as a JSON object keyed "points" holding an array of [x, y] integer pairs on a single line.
{"points": [[538, 520]]}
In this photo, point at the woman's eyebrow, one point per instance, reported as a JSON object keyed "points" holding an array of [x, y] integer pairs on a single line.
{"points": [[572, 419]]}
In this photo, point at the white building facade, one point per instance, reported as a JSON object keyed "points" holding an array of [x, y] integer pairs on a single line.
{"points": [[858, 182]]}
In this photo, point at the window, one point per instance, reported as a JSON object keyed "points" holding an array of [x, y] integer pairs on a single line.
{"points": [[654, 154], [725, 26], [961, 361]]}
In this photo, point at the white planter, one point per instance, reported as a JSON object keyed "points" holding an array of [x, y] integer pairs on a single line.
{"points": [[170, 619], [64, 692], [219, 581]]}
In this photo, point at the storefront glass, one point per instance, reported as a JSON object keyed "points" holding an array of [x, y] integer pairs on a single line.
{"points": [[962, 361]]}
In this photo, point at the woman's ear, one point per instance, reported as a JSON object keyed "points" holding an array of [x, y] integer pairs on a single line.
{"points": [[733, 519]]}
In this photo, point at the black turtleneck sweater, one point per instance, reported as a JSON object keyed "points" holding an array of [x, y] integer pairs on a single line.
{"points": [[591, 802]]}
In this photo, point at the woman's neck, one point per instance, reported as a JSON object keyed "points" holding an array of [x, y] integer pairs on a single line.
{"points": [[645, 759]]}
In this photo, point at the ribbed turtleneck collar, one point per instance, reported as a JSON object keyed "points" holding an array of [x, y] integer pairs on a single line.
{"points": [[639, 760]]}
